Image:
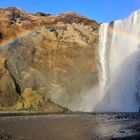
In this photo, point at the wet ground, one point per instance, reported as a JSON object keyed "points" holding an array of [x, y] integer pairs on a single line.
{"points": [[79, 126]]}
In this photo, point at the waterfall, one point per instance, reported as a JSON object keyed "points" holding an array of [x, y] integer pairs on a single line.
{"points": [[119, 65]]}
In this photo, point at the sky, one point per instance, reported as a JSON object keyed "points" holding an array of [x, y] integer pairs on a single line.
{"points": [[100, 10]]}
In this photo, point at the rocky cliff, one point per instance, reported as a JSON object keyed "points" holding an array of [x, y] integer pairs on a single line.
{"points": [[46, 61]]}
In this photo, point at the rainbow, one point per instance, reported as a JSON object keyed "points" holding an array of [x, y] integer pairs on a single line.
{"points": [[19, 35], [129, 35]]}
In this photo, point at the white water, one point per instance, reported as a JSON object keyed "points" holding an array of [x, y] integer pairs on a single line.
{"points": [[119, 61]]}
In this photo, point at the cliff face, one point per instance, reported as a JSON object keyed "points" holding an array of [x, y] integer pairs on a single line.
{"points": [[49, 60]]}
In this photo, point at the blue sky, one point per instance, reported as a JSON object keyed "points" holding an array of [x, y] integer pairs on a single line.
{"points": [[100, 10]]}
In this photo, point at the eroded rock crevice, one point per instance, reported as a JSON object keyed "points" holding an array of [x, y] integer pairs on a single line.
{"points": [[17, 86]]}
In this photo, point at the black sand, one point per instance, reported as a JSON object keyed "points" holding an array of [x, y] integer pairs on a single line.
{"points": [[98, 126]]}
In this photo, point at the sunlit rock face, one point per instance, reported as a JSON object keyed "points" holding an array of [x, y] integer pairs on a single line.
{"points": [[60, 64], [54, 55], [119, 57]]}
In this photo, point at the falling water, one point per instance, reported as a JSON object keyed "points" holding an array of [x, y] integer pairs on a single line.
{"points": [[119, 65]]}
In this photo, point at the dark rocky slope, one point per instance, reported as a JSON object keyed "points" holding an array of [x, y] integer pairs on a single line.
{"points": [[49, 60]]}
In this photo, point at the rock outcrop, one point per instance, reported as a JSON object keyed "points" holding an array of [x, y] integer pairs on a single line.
{"points": [[8, 93], [53, 55]]}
